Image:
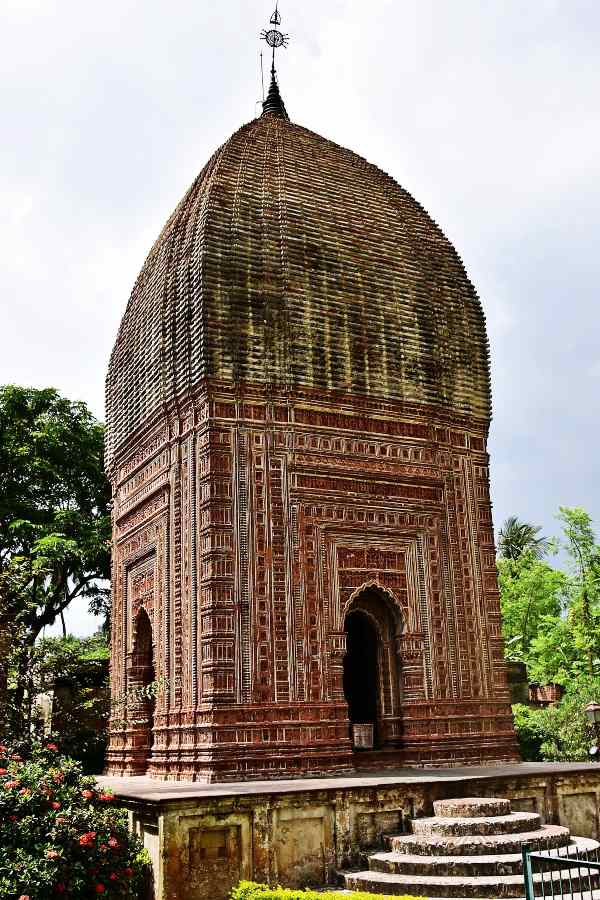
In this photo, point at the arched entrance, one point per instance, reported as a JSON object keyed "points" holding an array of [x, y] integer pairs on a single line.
{"points": [[372, 666], [141, 708]]}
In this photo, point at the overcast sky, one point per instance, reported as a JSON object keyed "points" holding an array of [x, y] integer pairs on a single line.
{"points": [[487, 111]]}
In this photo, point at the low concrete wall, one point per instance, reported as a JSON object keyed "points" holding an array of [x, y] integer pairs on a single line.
{"points": [[204, 839]]}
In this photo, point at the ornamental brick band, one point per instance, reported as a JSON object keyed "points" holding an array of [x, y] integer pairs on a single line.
{"points": [[298, 406]]}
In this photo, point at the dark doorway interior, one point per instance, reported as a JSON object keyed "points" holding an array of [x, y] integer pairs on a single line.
{"points": [[361, 669], [142, 675]]}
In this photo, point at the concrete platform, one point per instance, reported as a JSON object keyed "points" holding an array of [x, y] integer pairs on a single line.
{"points": [[153, 790], [203, 838]]}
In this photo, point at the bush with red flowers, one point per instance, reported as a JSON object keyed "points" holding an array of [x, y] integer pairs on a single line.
{"points": [[61, 836]]}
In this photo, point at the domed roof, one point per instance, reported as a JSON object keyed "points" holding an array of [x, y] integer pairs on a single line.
{"points": [[293, 262]]}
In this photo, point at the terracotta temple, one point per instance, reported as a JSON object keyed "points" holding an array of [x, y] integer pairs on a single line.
{"points": [[298, 404]]}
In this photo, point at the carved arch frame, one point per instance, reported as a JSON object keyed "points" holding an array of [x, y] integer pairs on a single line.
{"points": [[384, 612]]}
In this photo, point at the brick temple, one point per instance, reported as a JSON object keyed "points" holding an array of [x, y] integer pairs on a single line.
{"points": [[298, 405]]}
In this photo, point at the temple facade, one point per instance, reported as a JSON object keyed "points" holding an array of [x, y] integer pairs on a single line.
{"points": [[298, 405]]}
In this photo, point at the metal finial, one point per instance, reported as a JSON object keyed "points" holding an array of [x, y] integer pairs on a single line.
{"points": [[275, 39]]}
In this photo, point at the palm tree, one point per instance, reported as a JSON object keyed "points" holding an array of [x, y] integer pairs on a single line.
{"points": [[518, 537]]}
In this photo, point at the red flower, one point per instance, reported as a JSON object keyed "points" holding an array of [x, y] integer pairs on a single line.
{"points": [[113, 876], [52, 854], [58, 777], [60, 820], [13, 818], [60, 888], [113, 843], [127, 872], [2, 748], [3, 771], [99, 888], [9, 785], [16, 757], [24, 897], [107, 798], [87, 839], [87, 795], [52, 747], [25, 792], [55, 804]]}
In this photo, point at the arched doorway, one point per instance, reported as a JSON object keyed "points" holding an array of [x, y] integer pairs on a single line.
{"points": [[372, 666], [141, 708]]}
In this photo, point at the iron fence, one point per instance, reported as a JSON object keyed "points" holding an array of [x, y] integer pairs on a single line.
{"points": [[564, 872]]}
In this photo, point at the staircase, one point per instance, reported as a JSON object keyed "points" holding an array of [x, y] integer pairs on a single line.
{"points": [[471, 848]]}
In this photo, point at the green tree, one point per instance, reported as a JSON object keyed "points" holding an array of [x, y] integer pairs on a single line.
{"points": [[517, 537], [54, 524], [558, 733], [551, 620], [556, 653], [579, 542], [530, 591], [75, 670]]}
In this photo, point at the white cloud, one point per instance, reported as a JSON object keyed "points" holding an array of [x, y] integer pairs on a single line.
{"points": [[486, 112]]}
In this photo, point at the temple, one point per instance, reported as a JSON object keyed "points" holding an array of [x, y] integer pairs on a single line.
{"points": [[298, 405]]}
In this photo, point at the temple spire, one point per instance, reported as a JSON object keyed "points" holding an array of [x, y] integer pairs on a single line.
{"points": [[275, 39]]}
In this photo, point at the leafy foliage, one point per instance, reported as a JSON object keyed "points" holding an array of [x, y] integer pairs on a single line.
{"points": [[249, 890], [76, 670], [580, 544], [558, 733], [54, 525], [551, 621], [550, 617], [517, 537], [530, 592], [60, 835]]}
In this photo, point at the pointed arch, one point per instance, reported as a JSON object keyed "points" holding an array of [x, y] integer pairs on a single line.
{"points": [[375, 587], [373, 623], [141, 674]]}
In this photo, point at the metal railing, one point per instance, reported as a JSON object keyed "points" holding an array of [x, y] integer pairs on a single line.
{"points": [[562, 872]]}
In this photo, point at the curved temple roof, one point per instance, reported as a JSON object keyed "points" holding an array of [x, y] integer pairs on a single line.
{"points": [[293, 262]]}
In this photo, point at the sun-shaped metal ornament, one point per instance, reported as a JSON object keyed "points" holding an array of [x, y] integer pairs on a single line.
{"points": [[273, 36]]}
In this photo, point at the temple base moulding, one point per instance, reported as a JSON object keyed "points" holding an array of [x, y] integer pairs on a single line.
{"points": [[204, 838]]}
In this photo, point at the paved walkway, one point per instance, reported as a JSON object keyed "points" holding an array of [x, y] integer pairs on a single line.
{"points": [[154, 790]]}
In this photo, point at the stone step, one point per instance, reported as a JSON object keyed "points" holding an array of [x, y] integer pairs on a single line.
{"points": [[548, 837], [471, 807], [469, 866], [497, 886], [512, 824], [584, 895]]}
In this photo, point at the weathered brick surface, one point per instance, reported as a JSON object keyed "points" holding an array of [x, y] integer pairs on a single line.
{"points": [[546, 838], [511, 824], [297, 413], [470, 807], [293, 262]]}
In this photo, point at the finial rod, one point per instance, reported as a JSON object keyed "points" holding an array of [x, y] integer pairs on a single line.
{"points": [[274, 39]]}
